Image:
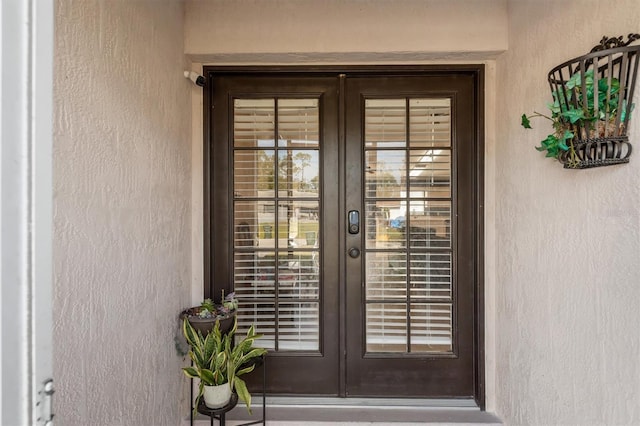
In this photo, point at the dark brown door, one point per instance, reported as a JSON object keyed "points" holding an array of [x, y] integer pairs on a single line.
{"points": [[274, 190], [344, 211], [410, 144]]}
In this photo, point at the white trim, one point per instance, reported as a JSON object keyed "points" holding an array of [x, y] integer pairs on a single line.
{"points": [[25, 206]]}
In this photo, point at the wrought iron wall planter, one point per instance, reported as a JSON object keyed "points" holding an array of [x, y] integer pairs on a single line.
{"points": [[593, 97]]}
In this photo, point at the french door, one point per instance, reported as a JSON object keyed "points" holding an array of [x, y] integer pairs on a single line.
{"points": [[344, 210]]}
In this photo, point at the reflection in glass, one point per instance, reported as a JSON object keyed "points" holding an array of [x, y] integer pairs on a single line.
{"points": [[276, 233], [253, 173], [386, 327], [430, 173], [298, 172], [385, 123], [250, 218], [431, 327], [430, 223], [407, 224], [430, 275], [430, 122], [253, 122], [298, 224], [260, 314], [298, 275], [386, 275], [384, 173], [298, 122], [298, 326]]}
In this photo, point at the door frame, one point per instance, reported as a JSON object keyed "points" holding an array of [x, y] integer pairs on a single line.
{"points": [[209, 180]]}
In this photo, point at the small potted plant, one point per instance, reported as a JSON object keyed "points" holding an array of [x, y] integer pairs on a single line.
{"points": [[218, 363], [204, 317]]}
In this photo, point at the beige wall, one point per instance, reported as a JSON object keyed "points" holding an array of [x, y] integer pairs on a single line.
{"points": [[568, 242], [122, 251], [343, 30]]}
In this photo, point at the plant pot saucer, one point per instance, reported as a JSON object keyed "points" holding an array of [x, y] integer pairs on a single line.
{"points": [[203, 409]]}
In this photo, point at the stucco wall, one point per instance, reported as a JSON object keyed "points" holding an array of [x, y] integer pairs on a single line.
{"points": [[568, 242], [122, 252], [343, 30]]}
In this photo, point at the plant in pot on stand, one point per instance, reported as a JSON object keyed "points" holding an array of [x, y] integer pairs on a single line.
{"points": [[218, 363], [205, 316]]}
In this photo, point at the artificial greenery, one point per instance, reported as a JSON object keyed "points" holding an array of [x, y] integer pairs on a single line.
{"points": [[216, 360], [570, 107]]}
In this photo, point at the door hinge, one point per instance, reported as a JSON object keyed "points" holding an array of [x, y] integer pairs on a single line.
{"points": [[44, 404]]}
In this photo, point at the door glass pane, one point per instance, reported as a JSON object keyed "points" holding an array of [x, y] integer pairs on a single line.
{"points": [[254, 122], [384, 173], [276, 233], [298, 275], [385, 123], [386, 275], [262, 316], [254, 173], [430, 275], [386, 327], [298, 123], [298, 172], [430, 173], [430, 223], [431, 327], [298, 326], [250, 221], [408, 199], [430, 122]]}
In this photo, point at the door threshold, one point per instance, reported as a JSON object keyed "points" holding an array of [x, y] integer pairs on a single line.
{"points": [[296, 410], [382, 403]]}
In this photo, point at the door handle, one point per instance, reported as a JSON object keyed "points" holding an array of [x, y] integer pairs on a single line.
{"points": [[354, 252]]}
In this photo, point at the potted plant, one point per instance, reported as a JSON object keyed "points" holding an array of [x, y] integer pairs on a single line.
{"points": [[219, 363], [591, 106], [204, 317]]}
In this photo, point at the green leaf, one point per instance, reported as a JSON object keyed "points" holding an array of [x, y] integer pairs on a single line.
{"points": [[190, 372], [574, 115], [207, 377], [255, 353], [245, 370], [243, 392], [574, 81], [525, 122], [192, 336]]}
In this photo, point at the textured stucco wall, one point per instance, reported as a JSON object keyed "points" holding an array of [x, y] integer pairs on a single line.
{"points": [[343, 30], [568, 242], [122, 244]]}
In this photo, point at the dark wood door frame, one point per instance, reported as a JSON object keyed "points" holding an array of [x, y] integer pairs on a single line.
{"points": [[211, 179]]}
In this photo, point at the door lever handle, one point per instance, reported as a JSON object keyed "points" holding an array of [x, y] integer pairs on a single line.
{"points": [[354, 252]]}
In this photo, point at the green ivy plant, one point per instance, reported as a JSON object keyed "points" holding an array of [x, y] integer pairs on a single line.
{"points": [[563, 112]]}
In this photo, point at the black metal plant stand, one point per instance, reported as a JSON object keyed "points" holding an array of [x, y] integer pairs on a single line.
{"points": [[220, 413]]}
